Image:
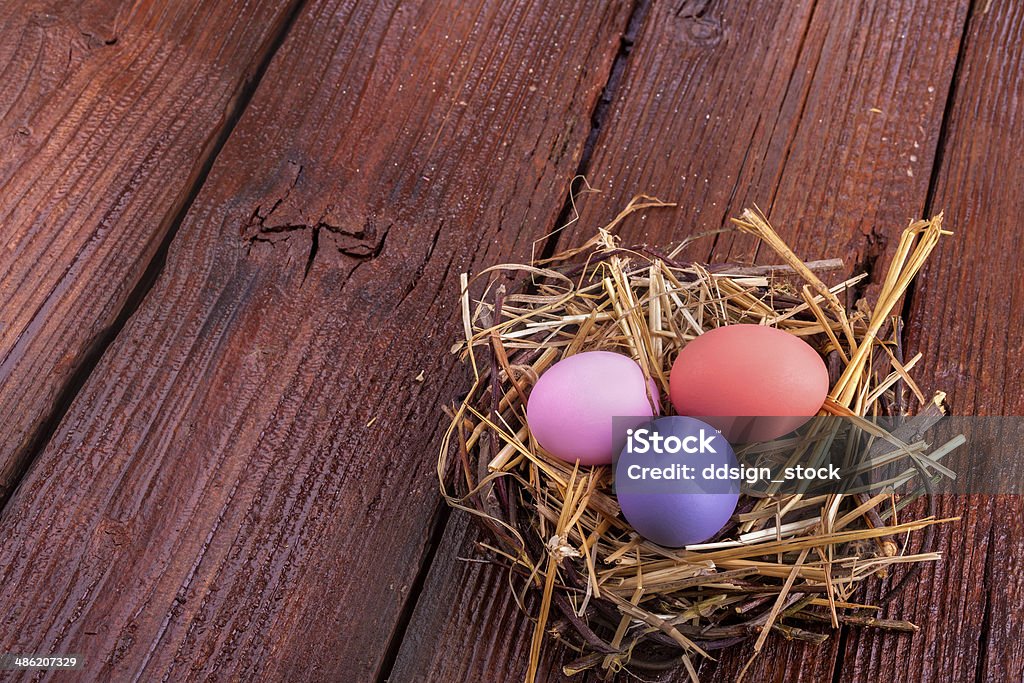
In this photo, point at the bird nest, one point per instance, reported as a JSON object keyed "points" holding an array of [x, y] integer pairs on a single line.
{"points": [[786, 563]]}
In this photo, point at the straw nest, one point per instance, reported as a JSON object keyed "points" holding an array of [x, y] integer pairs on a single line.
{"points": [[785, 564]]}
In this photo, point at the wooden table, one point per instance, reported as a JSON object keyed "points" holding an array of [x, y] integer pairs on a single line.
{"points": [[230, 240]]}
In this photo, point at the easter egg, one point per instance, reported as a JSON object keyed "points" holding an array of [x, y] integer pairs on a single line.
{"points": [[571, 407], [754, 383], [672, 481]]}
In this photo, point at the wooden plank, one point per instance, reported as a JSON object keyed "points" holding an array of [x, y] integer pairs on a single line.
{"points": [[245, 486], [493, 643], [109, 111], [720, 108], [966, 317]]}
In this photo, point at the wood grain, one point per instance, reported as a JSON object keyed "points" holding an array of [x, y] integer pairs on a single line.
{"points": [[490, 645], [109, 111], [245, 486], [967, 318], [828, 117]]}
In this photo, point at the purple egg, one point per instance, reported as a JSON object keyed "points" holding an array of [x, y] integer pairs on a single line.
{"points": [[571, 407], [652, 485]]}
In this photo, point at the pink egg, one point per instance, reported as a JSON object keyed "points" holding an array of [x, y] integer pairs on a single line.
{"points": [[571, 407], [754, 383]]}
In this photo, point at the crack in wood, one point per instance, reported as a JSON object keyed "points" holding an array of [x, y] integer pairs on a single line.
{"points": [[275, 220], [363, 244]]}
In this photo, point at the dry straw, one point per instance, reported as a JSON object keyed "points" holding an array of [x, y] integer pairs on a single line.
{"points": [[787, 564]]}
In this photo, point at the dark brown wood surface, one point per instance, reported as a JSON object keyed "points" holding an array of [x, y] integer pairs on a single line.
{"points": [[967, 317], [216, 503], [109, 112], [244, 485]]}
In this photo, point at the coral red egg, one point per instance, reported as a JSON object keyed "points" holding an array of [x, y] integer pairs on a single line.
{"points": [[731, 374]]}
